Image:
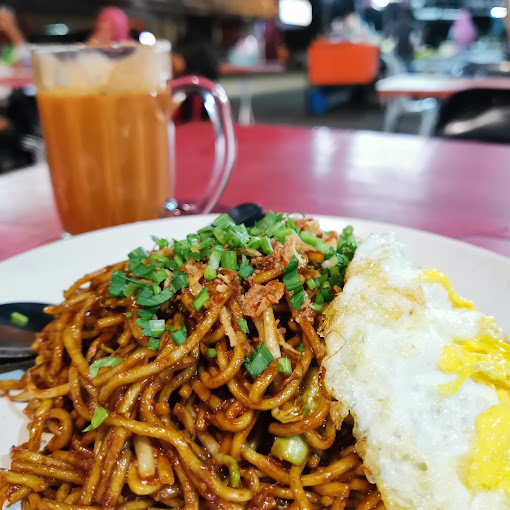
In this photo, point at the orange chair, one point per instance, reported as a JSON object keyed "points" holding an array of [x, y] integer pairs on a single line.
{"points": [[342, 63]]}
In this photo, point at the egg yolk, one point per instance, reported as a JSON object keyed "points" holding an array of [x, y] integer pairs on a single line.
{"points": [[489, 466], [434, 275], [485, 359]]}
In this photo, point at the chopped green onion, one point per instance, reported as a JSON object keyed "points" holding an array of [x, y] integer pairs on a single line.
{"points": [[292, 265], [319, 299], [146, 297], [129, 314], [201, 299], [246, 272], [179, 281], [143, 324], [157, 327], [267, 222], [254, 243], [317, 308], [103, 362], [301, 348], [211, 352], [311, 284], [243, 325], [136, 257], [99, 416], [297, 299], [280, 236], [215, 258], [326, 295], [154, 344], [223, 220], [334, 270], [258, 361], [179, 260], [291, 281], [143, 270], [183, 249], [162, 243], [180, 336], [118, 283], [237, 238], [311, 394], [209, 273], [333, 261], [19, 319], [159, 276], [293, 449], [131, 289], [144, 314], [284, 366], [291, 223], [265, 245], [229, 260]]}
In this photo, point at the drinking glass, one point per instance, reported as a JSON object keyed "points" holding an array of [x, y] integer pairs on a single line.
{"points": [[106, 120]]}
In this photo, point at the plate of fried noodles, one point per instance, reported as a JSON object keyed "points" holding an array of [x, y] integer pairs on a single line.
{"points": [[183, 367]]}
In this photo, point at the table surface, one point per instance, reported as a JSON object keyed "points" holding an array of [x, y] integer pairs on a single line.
{"points": [[17, 79], [458, 189], [271, 66], [424, 85]]}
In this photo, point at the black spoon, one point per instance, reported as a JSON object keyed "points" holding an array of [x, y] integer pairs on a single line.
{"points": [[16, 340]]}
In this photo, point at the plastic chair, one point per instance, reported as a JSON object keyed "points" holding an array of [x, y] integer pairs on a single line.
{"points": [[478, 114]]}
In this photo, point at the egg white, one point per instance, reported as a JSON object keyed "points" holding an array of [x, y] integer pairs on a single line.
{"points": [[385, 334]]}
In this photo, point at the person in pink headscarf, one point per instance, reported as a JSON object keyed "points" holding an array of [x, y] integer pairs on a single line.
{"points": [[112, 25], [463, 30]]}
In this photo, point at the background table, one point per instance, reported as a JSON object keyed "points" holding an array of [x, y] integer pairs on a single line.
{"points": [[458, 189], [398, 90], [245, 73]]}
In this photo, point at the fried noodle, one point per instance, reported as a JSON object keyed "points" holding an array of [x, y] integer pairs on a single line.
{"points": [[186, 425]]}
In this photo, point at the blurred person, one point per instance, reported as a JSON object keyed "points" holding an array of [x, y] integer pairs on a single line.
{"points": [[14, 53], [463, 30], [400, 26], [111, 25], [195, 53]]}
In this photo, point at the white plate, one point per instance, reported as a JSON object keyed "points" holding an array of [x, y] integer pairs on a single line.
{"points": [[42, 274]]}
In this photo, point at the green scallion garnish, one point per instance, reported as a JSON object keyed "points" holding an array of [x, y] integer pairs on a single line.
{"points": [[180, 336], [284, 366], [209, 273], [243, 325], [229, 260], [246, 272], [211, 352], [258, 361], [99, 416], [19, 319], [201, 299], [153, 344], [103, 362]]}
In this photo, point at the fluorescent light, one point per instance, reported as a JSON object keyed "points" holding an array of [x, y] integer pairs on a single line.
{"points": [[147, 38], [498, 12], [379, 5], [57, 29], [295, 12]]}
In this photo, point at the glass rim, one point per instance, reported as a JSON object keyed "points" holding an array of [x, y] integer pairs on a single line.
{"points": [[163, 45]]}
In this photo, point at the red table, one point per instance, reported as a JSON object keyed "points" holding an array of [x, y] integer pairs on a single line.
{"points": [[458, 189], [18, 79]]}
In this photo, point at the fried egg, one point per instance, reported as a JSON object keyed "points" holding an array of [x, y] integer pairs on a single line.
{"points": [[426, 378]]}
